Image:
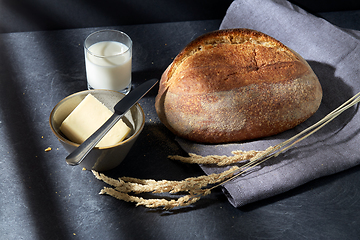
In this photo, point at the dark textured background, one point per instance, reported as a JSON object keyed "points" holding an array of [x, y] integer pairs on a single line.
{"points": [[33, 15], [43, 198]]}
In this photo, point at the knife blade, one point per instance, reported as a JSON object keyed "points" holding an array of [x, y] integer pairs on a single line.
{"points": [[79, 154]]}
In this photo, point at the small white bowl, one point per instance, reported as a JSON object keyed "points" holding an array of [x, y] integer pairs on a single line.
{"points": [[106, 158]]}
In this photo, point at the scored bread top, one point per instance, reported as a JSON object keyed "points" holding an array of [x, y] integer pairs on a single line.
{"points": [[226, 59], [234, 85]]}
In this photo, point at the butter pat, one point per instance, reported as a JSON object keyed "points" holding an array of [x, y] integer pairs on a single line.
{"points": [[89, 116]]}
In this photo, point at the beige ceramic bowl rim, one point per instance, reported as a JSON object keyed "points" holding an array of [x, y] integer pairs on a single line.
{"points": [[89, 91]]}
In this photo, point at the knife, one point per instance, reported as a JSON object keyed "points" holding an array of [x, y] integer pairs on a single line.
{"points": [[78, 155]]}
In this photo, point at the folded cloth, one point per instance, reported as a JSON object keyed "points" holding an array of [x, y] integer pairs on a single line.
{"points": [[334, 55]]}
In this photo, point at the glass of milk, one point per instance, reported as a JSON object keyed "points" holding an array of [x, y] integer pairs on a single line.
{"points": [[108, 55]]}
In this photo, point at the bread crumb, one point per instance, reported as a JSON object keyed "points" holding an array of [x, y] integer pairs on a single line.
{"points": [[48, 149], [84, 169]]}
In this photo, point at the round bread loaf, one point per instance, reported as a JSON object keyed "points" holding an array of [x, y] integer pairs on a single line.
{"points": [[234, 85]]}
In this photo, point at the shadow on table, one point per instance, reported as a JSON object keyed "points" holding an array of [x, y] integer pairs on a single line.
{"points": [[28, 165]]}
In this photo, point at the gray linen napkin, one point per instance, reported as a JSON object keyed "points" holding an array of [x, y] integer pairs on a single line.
{"points": [[334, 55]]}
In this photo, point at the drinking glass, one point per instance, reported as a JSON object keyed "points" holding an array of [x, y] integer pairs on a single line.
{"points": [[108, 56]]}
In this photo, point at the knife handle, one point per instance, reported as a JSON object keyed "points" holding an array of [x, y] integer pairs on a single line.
{"points": [[78, 155]]}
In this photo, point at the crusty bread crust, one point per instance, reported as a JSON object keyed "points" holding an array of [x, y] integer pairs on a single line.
{"points": [[236, 84]]}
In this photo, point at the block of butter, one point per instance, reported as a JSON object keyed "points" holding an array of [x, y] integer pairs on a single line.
{"points": [[89, 116]]}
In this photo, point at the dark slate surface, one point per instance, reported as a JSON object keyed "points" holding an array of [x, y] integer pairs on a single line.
{"points": [[36, 15], [43, 198]]}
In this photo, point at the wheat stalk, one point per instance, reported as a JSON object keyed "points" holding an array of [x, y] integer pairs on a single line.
{"points": [[276, 150], [193, 187], [196, 187]]}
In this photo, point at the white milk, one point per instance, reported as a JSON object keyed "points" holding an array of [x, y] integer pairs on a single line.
{"points": [[108, 66]]}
